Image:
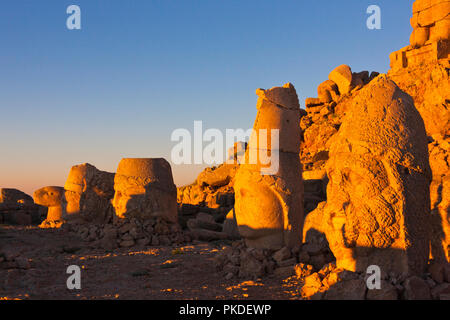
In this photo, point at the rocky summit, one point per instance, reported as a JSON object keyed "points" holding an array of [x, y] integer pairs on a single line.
{"points": [[355, 206]]}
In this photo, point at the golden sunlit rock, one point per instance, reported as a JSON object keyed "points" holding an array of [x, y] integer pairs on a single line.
{"points": [[54, 199], [430, 39], [343, 78], [421, 70], [377, 209], [269, 208], [347, 199]]}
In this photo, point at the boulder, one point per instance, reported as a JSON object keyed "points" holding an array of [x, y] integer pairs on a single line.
{"points": [[343, 78], [312, 102], [328, 91], [386, 292], [217, 176], [311, 286], [440, 290], [282, 254], [347, 290]]}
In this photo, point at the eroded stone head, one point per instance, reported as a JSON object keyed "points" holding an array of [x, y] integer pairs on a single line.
{"points": [[49, 196], [144, 188], [88, 192], [377, 209], [278, 109]]}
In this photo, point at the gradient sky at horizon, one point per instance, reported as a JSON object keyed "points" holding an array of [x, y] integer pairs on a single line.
{"points": [[139, 69]]}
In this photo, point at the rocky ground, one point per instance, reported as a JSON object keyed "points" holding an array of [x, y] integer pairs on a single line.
{"points": [[33, 264]]}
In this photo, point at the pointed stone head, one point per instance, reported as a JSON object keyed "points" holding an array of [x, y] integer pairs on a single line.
{"points": [[378, 204], [278, 111]]}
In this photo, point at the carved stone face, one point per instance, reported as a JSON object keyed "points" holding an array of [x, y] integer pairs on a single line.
{"points": [[144, 188], [88, 192], [361, 206], [75, 185], [377, 209], [129, 195], [73, 202]]}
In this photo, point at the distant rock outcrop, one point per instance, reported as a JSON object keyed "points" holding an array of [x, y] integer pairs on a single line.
{"points": [[18, 208]]}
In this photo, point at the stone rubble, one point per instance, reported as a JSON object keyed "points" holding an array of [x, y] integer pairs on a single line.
{"points": [[130, 232]]}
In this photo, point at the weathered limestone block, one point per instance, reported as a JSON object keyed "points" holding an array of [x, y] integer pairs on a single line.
{"points": [[419, 36], [430, 53], [343, 78], [430, 21], [89, 192], [441, 29], [217, 176], [313, 102], [328, 91], [192, 194], [269, 207], [53, 198], [377, 209], [429, 14], [144, 188]]}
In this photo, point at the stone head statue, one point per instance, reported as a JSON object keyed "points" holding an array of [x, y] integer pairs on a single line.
{"points": [[377, 209], [269, 207], [144, 188], [88, 192], [54, 199]]}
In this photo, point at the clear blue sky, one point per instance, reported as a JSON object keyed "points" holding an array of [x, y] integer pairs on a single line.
{"points": [[138, 69]]}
